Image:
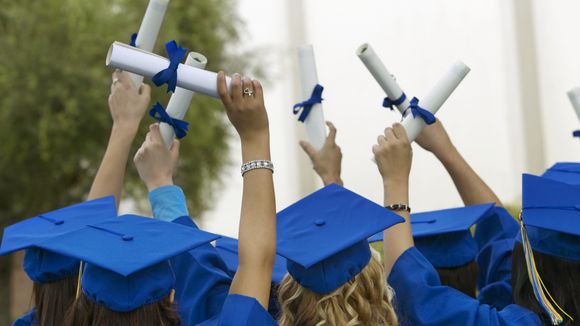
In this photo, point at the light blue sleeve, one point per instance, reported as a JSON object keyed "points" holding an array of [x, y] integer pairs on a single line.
{"points": [[168, 203]]}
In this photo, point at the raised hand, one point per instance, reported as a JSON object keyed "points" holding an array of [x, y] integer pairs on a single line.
{"points": [[393, 155], [244, 106], [127, 103], [155, 163], [434, 139], [327, 161]]}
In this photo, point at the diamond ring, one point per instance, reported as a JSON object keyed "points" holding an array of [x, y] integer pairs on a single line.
{"points": [[248, 92]]}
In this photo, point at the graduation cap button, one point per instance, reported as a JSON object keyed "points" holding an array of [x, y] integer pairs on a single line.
{"points": [[319, 222]]}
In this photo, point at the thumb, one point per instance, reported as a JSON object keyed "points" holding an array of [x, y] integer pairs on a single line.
{"points": [[309, 149], [174, 150], [155, 133]]}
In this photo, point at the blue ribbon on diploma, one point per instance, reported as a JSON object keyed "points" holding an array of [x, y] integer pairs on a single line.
{"points": [[416, 110], [133, 39], [388, 103], [169, 75], [180, 127], [306, 106], [576, 133]]}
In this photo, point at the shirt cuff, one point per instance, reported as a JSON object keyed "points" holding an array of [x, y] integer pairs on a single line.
{"points": [[168, 203]]}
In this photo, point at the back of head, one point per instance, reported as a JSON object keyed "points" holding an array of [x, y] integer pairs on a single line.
{"points": [[52, 300], [560, 276], [364, 299], [85, 312], [462, 278]]}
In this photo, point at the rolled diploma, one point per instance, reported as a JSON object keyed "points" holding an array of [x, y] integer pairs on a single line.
{"points": [[149, 30], [314, 123], [435, 98], [574, 96], [381, 74], [180, 100], [148, 64]]}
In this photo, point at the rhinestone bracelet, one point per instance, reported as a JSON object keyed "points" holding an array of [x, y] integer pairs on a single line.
{"points": [[257, 164]]}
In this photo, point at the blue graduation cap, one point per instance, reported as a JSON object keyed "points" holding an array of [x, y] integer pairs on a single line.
{"points": [[323, 236], [128, 258], [443, 236], [43, 266], [567, 172], [550, 223], [551, 215], [228, 251]]}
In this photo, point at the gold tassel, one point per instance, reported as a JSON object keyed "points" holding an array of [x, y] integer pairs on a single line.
{"points": [[540, 290], [79, 280]]}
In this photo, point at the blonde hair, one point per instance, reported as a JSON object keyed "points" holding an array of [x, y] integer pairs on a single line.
{"points": [[364, 300]]}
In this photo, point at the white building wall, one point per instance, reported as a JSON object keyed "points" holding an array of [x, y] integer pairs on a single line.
{"points": [[417, 40]]}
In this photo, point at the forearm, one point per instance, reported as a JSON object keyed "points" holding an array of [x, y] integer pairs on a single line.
{"points": [[111, 172], [257, 234], [472, 189], [398, 238]]}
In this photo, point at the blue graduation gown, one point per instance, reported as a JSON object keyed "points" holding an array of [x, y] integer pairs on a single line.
{"points": [[239, 310], [420, 299], [495, 237], [202, 282], [27, 319]]}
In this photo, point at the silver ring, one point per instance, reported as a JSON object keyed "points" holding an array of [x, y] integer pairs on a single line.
{"points": [[248, 92]]}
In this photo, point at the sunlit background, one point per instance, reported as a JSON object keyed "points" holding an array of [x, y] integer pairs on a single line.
{"points": [[510, 114]]}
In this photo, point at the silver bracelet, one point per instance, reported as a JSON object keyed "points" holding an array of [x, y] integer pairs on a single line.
{"points": [[257, 164]]}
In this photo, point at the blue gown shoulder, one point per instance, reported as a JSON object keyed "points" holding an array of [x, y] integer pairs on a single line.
{"points": [[26, 320], [239, 310], [420, 299], [202, 281]]}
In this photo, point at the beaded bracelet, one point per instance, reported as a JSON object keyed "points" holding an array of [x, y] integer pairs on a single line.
{"points": [[399, 207], [257, 164]]}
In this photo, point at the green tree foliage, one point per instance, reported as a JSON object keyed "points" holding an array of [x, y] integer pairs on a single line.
{"points": [[54, 118]]}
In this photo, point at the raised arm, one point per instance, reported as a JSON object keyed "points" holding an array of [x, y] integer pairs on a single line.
{"points": [[393, 157], [327, 161], [470, 186], [127, 105], [257, 233]]}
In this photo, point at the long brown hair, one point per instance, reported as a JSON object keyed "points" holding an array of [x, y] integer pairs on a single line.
{"points": [[364, 300], [51, 300], [462, 278], [561, 277], [84, 312]]}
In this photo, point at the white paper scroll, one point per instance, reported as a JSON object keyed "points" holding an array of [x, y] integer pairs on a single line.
{"points": [[180, 100], [314, 123], [435, 98], [149, 30], [147, 64], [382, 75], [574, 96]]}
